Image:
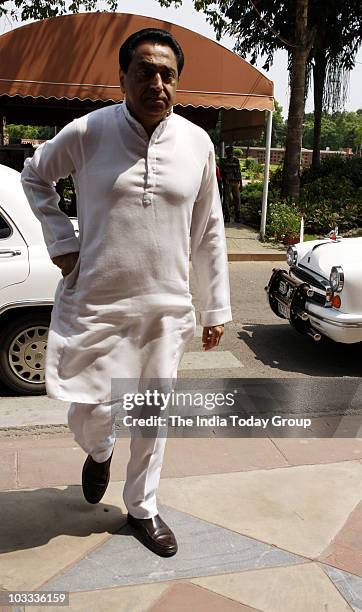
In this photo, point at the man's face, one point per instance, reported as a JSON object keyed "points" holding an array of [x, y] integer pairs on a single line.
{"points": [[150, 82]]}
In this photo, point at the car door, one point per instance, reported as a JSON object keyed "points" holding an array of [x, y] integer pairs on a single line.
{"points": [[14, 260]]}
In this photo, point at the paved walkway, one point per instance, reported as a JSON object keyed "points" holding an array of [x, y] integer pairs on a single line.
{"points": [[268, 524], [262, 524], [244, 245]]}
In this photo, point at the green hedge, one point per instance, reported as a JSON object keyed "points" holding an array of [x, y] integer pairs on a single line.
{"points": [[250, 206], [332, 194], [329, 195]]}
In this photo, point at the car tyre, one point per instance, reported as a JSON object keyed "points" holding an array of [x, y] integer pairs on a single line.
{"points": [[22, 353]]}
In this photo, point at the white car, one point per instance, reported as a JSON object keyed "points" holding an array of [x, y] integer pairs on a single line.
{"points": [[28, 280], [321, 294]]}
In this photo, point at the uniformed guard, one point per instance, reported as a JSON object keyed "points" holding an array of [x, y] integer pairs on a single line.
{"points": [[232, 183]]}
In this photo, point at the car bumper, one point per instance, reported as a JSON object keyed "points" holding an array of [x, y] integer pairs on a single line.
{"points": [[338, 326], [304, 306]]}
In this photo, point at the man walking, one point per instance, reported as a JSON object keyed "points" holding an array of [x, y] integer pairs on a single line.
{"points": [[231, 177], [146, 190]]}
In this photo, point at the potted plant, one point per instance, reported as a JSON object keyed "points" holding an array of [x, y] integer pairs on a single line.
{"points": [[284, 222]]}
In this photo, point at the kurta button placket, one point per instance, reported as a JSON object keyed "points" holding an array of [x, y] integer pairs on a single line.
{"points": [[151, 169]]}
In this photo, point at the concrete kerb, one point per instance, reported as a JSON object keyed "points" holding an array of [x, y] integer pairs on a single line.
{"points": [[256, 257]]}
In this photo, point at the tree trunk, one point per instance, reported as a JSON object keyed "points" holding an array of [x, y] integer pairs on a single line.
{"points": [[319, 77], [293, 145]]}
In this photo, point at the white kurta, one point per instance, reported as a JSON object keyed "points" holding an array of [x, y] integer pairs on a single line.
{"points": [[125, 311]]}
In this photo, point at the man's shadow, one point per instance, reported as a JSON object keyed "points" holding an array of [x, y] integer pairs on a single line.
{"points": [[31, 518]]}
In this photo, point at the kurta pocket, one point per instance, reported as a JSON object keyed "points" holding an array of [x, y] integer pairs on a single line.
{"points": [[71, 278]]}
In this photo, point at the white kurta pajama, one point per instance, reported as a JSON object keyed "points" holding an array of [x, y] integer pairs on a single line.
{"points": [[125, 310]]}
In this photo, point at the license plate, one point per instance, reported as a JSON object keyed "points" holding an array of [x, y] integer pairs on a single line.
{"points": [[283, 287], [283, 310]]}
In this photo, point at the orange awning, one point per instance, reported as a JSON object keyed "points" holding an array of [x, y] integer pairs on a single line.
{"points": [[74, 58]]}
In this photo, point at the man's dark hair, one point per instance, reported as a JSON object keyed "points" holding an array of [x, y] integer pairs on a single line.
{"points": [[229, 149], [154, 35]]}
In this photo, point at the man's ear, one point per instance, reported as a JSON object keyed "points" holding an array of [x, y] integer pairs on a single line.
{"points": [[121, 80]]}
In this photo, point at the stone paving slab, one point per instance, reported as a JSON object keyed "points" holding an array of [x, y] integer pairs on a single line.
{"points": [[20, 442], [185, 596], [8, 471], [345, 550], [299, 509], [44, 530], [204, 549], [241, 507], [171, 596], [123, 599], [61, 468], [300, 588], [219, 455], [305, 451], [38, 462], [349, 586]]}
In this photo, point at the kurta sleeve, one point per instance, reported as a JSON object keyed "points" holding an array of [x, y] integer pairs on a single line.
{"points": [[54, 159], [208, 249]]}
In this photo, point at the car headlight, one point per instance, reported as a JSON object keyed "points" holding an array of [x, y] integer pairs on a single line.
{"points": [[336, 278], [292, 255]]}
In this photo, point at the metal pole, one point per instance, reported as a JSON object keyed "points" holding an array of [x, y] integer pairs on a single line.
{"points": [[301, 237], [222, 151], [264, 204]]}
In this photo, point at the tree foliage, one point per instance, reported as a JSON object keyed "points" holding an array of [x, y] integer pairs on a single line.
{"points": [[278, 127], [338, 130], [34, 132], [331, 35], [42, 9]]}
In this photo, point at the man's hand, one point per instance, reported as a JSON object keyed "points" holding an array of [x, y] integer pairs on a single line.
{"points": [[211, 336], [66, 262]]}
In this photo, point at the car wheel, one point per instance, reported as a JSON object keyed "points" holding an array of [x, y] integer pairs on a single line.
{"points": [[23, 345]]}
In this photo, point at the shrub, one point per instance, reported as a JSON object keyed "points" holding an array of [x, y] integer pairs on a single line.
{"points": [[283, 220], [275, 182], [238, 152], [250, 207], [253, 168], [335, 166], [330, 195], [323, 216]]}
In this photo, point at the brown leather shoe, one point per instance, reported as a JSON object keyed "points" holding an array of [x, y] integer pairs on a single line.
{"points": [[95, 479], [155, 534]]}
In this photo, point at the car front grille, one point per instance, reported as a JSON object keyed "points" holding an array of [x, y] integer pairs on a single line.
{"points": [[305, 277]]}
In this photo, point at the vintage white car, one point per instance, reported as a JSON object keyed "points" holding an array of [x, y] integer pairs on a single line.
{"points": [[28, 280], [321, 294]]}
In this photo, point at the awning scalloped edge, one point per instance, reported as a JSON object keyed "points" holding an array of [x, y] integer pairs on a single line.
{"points": [[119, 101]]}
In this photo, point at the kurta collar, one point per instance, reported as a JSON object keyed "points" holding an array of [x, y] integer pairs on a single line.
{"points": [[136, 125]]}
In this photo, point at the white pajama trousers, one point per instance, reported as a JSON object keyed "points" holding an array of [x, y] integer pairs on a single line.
{"points": [[94, 430]]}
